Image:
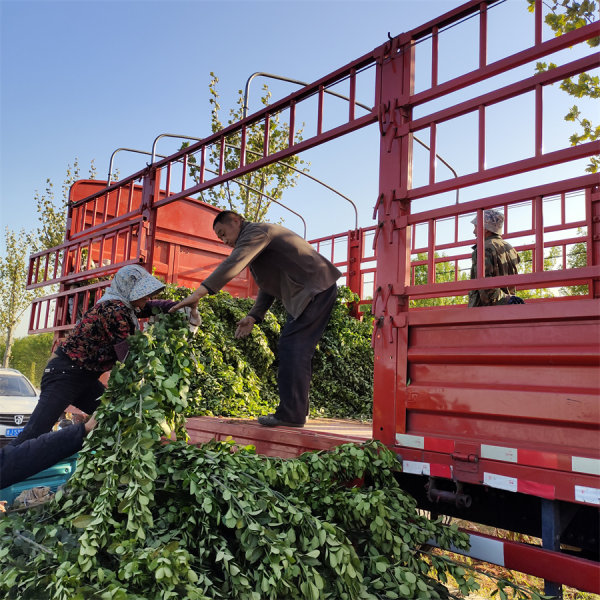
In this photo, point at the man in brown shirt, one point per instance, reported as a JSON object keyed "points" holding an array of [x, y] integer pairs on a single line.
{"points": [[287, 267]]}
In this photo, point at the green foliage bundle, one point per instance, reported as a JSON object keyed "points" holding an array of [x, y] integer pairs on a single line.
{"points": [[144, 519], [238, 377]]}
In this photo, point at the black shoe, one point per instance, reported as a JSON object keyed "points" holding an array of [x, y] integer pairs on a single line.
{"points": [[273, 421]]}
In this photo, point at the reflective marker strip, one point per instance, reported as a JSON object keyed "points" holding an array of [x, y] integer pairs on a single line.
{"points": [[423, 468], [534, 488], [416, 468], [437, 470], [499, 453], [439, 445], [537, 458], [579, 464], [585, 465], [488, 550], [410, 441], [587, 494], [481, 548], [512, 484], [572, 571], [420, 442], [500, 481]]}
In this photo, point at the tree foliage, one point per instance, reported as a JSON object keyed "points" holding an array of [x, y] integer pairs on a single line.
{"points": [[52, 211], [565, 16], [30, 354], [251, 194], [14, 298], [526, 266], [444, 273], [576, 258]]}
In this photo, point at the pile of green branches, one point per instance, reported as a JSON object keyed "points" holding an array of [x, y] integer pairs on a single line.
{"points": [[145, 519], [238, 378]]}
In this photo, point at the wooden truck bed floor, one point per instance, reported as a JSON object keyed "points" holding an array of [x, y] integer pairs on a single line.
{"points": [[285, 442]]}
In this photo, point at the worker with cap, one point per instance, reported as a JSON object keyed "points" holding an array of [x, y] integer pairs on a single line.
{"points": [[500, 259], [96, 343]]}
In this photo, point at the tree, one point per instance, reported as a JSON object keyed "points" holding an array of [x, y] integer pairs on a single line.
{"points": [[526, 266], [30, 355], [565, 16], [251, 195], [444, 272], [576, 258], [14, 298], [52, 215]]}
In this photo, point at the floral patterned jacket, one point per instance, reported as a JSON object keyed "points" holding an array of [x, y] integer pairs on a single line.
{"points": [[92, 342]]}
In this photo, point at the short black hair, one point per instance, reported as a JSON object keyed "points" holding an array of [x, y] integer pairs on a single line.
{"points": [[225, 216]]}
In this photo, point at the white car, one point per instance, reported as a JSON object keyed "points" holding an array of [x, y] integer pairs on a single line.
{"points": [[17, 401]]}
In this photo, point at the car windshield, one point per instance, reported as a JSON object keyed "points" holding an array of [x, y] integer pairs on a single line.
{"points": [[13, 385]]}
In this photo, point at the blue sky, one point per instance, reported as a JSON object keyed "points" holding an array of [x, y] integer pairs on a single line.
{"points": [[82, 78]]}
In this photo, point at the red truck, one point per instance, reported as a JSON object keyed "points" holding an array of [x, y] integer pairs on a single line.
{"points": [[493, 411]]}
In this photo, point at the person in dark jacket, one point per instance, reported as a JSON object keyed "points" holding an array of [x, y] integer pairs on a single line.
{"points": [[17, 463], [97, 341], [287, 267], [500, 259]]}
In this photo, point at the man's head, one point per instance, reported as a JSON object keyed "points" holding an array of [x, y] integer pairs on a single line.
{"points": [[493, 221], [227, 226]]}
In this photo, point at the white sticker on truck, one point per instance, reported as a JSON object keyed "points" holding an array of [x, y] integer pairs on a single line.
{"points": [[499, 453], [500, 481], [416, 468], [587, 494], [585, 465]]}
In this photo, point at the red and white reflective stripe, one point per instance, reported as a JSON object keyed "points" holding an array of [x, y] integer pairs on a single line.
{"points": [[429, 469], [513, 484], [534, 458], [553, 566], [420, 442], [486, 549], [520, 456]]}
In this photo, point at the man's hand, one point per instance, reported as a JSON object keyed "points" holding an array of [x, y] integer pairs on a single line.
{"points": [[195, 320], [244, 326], [90, 424], [191, 300]]}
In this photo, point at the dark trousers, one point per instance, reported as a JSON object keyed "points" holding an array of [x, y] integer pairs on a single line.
{"points": [[297, 344], [63, 383], [17, 463]]}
